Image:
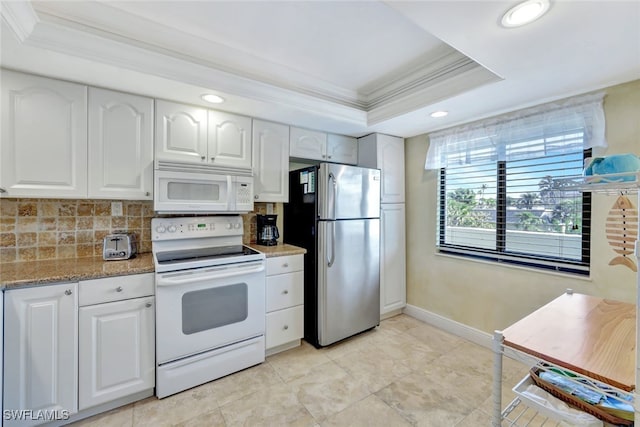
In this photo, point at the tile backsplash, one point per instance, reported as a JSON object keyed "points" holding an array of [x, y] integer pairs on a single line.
{"points": [[38, 229]]}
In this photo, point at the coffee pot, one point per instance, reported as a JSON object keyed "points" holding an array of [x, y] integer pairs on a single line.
{"points": [[267, 230]]}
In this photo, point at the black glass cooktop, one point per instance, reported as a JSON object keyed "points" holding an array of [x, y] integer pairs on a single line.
{"points": [[218, 252]]}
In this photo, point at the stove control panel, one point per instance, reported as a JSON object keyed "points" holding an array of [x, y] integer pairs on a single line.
{"points": [[194, 227]]}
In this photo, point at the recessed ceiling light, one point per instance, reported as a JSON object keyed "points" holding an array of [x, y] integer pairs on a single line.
{"points": [[214, 99], [437, 114], [525, 13]]}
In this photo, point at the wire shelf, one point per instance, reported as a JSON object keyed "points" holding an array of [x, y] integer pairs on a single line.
{"points": [[611, 184], [521, 415]]}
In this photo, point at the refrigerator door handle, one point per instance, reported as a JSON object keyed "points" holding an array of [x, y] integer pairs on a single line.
{"points": [[333, 185], [331, 259]]}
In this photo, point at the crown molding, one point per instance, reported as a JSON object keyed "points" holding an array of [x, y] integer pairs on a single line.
{"points": [[20, 17], [117, 38], [439, 90]]}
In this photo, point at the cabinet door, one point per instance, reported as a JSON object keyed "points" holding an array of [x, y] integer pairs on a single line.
{"points": [[43, 150], [393, 294], [120, 145], [117, 350], [342, 149], [229, 140], [41, 350], [390, 153], [270, 162], [181, 133], [307, 144]]}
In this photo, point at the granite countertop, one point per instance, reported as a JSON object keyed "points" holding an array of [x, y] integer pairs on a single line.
{"points": [[278, 250], [31, 273]]}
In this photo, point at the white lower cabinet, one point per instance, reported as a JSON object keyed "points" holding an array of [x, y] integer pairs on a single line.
{"points": [[393, 293], [41, 354], [284, 303], [116, 338], [73, 346]]}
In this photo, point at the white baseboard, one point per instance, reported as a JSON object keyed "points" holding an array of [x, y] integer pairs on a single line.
{"points": [[456, 328]]}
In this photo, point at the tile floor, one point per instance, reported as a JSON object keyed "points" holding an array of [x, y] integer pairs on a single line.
{"points": [[402, 373]]}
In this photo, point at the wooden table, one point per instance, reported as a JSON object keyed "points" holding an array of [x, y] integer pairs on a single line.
{"points": [[592, 336]]}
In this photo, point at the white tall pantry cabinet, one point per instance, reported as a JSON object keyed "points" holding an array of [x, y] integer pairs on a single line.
{"points": [[386, 153]]}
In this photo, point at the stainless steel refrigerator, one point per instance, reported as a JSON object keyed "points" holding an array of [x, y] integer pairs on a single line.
{"points": [[334, 212]]}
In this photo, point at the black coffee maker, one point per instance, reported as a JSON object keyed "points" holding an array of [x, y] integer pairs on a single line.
{"points": [[267, 230]]}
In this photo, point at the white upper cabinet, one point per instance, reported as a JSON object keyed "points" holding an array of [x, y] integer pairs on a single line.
{"points": [[270, 162], [229, 140], [120, 145], [307, 144], [314, 145], [181, 133], [386, 153], [342, 149], [43, 151], [189, 134]]}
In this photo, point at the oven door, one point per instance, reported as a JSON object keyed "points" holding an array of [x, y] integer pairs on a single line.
{"points": [[206, 308], [191, 192]]}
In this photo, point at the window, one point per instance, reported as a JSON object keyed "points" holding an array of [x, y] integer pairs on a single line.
{"points": [[499, 194], [515, 212]]}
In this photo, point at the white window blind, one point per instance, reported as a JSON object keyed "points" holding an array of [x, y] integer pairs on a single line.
{"points": [[507, 137], [499, 197]]}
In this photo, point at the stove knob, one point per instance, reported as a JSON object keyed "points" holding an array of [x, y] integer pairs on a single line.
{"points": [[171, 229], [160, 229], [229, 226], [237, 226]]}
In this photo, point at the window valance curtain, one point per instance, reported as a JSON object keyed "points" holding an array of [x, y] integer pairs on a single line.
{"points": [[558, 127]]}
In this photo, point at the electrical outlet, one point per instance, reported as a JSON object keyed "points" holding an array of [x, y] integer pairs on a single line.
{"points": [[116, 208]]}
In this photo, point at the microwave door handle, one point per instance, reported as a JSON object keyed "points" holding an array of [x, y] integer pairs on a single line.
{"points": [[231, 194], [207, 274]]}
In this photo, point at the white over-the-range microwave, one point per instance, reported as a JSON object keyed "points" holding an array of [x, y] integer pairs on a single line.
{"points": [[197, 190]]}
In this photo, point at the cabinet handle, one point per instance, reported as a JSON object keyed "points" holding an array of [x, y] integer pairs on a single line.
{"points": [[148, 305], [285, 292], [285, 265], [324, 156], [147, 194], [213, 158], [329, 157], [68, 292], [255, 197], [2, 190], [285, 327], [119, 289], [203, 157]]}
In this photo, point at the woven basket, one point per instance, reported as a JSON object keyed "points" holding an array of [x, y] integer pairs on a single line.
{"points": [[574, 401]]}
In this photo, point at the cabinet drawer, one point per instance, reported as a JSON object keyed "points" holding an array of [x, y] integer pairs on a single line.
{"points": [[285, 290], [284, 264], [284, 326], [116, 288]]}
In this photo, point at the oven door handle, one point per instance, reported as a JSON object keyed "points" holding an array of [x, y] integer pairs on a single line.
{"points": [[172, 279]]}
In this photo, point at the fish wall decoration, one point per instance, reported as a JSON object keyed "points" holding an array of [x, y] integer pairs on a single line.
{"points": [[622, 232]]}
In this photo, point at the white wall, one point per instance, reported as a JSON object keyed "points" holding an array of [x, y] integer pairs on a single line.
{"points": [[489, 296]]}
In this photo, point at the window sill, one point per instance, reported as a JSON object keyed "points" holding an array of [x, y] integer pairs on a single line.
{"points": [[516, 267]]}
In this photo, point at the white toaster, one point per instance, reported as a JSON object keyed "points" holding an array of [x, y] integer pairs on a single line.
{"points": [[119, 246]]}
